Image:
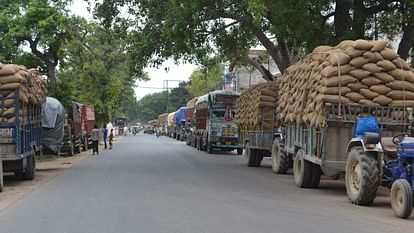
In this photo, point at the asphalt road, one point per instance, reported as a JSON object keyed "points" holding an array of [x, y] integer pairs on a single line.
{"points": [[152, 185]]}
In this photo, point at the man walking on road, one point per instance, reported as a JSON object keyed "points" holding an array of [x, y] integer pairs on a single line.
{"points": [[105, 136], [111, 138], [95, 139]]}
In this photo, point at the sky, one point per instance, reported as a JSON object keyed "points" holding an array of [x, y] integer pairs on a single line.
{"points": [[157, 75]]}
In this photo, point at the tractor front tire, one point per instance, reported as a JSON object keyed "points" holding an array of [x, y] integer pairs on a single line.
{"points": [[401, 198]]}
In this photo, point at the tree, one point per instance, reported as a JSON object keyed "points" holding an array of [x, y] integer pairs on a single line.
{"points": [[204, 80], [43, 26]]}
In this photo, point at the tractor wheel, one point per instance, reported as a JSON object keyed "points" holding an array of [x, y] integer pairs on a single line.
{"points": [[401, 198], [302, 170], [250, 156], [280, 159], [361, 177]]}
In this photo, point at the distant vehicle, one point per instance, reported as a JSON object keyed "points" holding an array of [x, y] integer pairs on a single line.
{"points": [[216, 126], [149, 130]]}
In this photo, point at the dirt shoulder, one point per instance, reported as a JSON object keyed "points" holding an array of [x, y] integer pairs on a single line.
{"points": [[45, 171]]}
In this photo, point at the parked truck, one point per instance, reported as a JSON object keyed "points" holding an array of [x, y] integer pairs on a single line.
{"points": [[190, 123], [216, 126], [53, 119], [171, 129], [162, 122], [179, 121], [20, 135]]}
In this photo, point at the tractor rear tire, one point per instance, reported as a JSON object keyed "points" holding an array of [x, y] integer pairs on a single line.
{"points": [[401, 198], [302, 170], [362, 176], [280, 159]]}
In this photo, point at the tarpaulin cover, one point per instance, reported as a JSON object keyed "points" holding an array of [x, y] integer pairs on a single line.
{"points": [[366, 124], [53, 119], [180, 116]]}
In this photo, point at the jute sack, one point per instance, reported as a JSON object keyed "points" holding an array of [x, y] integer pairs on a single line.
{"points": [[342, 58], [368, 93], [8, 103], [373, 56], [267, 104], [8, 69], [401, 85], [367, 102], [267, 98], [345, 44], [268, 92], [363, 45], [372, 67], [10, 86], [388, 54], [335, 90], [356, 86], [386, 65], [23, 97], [380, 89], [9, 112], [13, 120], [333, 70], [358, 62], [382, 100], [379, 45], [359, 74], [12, 79], [354, 96], [335, 81], [370, 81], [384, 77], [402, 103], [352, 52], [400, 63], [400, 95], [401, 75], [332, 98], [322, 48]]}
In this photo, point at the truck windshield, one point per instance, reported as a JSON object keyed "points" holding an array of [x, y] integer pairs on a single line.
{"points": [[219, 113]]}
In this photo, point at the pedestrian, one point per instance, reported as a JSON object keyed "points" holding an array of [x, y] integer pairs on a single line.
{"points": [[95, 139], [111, 138], [105, 136]]}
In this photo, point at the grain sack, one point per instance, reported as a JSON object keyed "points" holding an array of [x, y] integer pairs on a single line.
{"points": [[359, 74], [332, 98], [368, 94], [386, 65], [400, 63], [8, 103], [355, 87], [342, 58], [10, 86], [384, 77], [370, 81], [336, 81], [9, 112], [367, 102], [267, 99], [380, 89], [358, 62], [352, 52], [388, 54], [401, 85], [363, 45], [372, 67], [335, 90], [354, 96], [379, 45], [345, 44], [15, 78], [333, 70], [373, 57], [401, 95], [382, 100], [401, 75], [8, 69], [402, 103]]}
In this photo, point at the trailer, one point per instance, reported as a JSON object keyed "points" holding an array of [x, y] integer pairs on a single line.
{"points": [[336, 150], [179, 121], [20, 137]]}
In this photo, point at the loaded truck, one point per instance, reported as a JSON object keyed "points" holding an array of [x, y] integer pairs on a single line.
{"points": [[53, 119], [179, 121], [162, 122], [190, 123], [171, 130], [20, 133], [216, 126]]}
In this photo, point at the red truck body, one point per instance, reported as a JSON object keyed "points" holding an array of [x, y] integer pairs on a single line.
{"points": [[88, 118]]}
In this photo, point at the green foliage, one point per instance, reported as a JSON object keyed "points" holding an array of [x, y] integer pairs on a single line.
{"points": [[205, 80]]}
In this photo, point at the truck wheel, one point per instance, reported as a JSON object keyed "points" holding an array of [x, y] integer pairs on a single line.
{"points": [[240, 151], [302, 170], [361, 177], [250, 156], [29, 173], [280, 159], [316, 175], [401, 198], [209, 148]]}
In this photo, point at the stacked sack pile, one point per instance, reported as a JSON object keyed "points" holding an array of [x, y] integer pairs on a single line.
{"points": [[256, 106], [370, 74], [31, 87]]}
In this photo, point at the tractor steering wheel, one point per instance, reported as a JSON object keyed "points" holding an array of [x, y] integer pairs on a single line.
{"points": [[398, 138]]}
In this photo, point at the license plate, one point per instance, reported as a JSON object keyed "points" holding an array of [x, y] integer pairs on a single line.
{"points": [[228, 143]]}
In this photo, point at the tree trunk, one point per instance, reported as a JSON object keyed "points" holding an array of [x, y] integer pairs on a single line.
{"points": [[407, 40], [359, 19], [342, 18], [51, 74]]}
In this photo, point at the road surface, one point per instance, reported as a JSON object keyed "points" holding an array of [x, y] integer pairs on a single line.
{"points": [[152, 185]]}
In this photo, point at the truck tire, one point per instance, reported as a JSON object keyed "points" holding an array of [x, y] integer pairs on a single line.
{"points": [[280, 159], [401, 198], [302, 170], [316, 175], [30, 171], [362, 176], [239, 151], [209, 148], [251, 156]]}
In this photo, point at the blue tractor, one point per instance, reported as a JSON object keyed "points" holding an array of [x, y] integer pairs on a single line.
{"points": [[398, 174]]}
